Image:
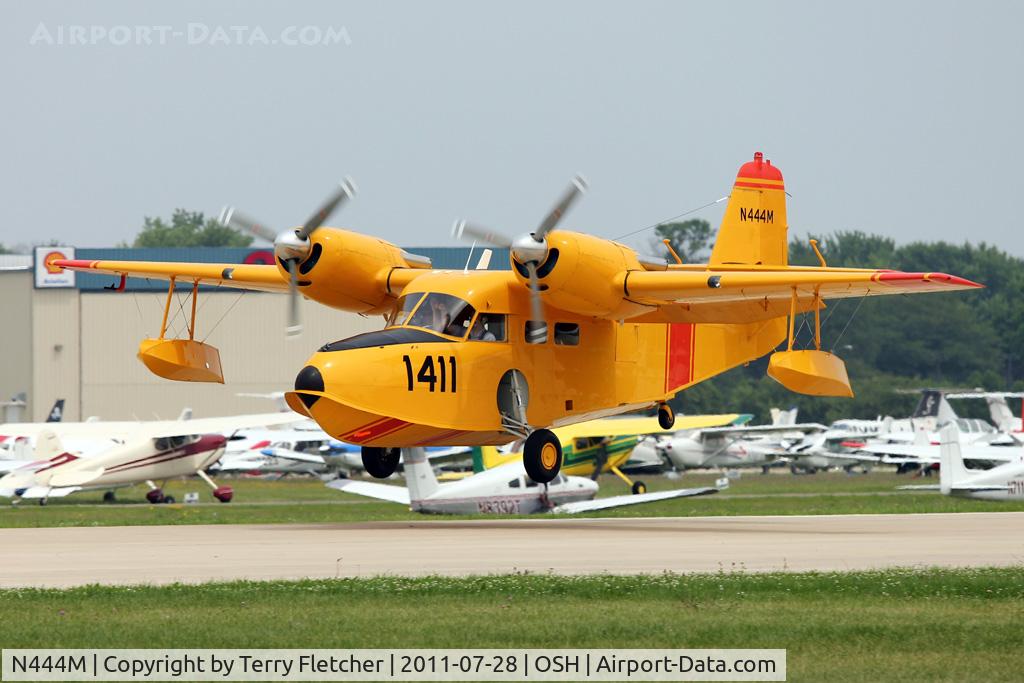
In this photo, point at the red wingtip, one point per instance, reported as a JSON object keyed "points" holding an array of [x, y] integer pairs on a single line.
{"points": [[928, 278]]}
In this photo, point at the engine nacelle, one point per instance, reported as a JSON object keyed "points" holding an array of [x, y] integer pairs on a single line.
{"points": [[582, 274], [349, 271]]}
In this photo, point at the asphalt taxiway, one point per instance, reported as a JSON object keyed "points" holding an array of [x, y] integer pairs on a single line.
{"points": [[62, 556]]}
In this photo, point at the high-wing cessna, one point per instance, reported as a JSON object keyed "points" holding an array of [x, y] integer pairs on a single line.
{"points": [[76, 456], [580, 327], [503, 490]]}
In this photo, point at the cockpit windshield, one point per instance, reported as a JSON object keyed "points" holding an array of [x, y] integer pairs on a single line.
{"points": [[443, 313], [406, 303]]}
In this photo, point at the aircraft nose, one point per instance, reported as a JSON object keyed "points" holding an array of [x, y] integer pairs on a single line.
{"points": [[309, 379]]}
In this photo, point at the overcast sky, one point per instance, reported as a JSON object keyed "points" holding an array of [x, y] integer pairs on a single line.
{"points": [[903, 119]]}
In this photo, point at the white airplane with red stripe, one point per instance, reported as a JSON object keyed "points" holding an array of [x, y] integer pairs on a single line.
{"points": [[119, 454]]}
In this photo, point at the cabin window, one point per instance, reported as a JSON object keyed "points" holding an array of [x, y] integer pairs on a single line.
{"points": [[530, 483], [567, 334], [443, 313], [489, 327], [514, 484], [535, 332], [406, 304]]}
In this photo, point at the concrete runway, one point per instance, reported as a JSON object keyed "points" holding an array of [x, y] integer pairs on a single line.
{"points": [[59, 557]]}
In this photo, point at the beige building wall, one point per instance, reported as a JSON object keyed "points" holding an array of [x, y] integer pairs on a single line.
{"points": [[16, 335], [56, 352], [255, 355]]}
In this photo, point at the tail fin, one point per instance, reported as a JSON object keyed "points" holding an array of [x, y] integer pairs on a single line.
{"points": [[57, 411], [1002, 416], [784, 418], [951, 466], [48, 446], [754, 228], [419, 475]]}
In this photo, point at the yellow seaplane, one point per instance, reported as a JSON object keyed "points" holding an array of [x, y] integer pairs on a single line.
{"points": [[580, 328]]}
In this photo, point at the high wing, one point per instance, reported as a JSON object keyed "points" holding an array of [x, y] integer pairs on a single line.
{"points": [[154, 429], [630, 426], [962, 487], [393, 494], [728, 294], [762, 430], [621, 501], [929, 453], [258, 277]]}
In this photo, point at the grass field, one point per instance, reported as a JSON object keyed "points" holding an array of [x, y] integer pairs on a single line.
{"points": [[902, 625], [304, 500]]}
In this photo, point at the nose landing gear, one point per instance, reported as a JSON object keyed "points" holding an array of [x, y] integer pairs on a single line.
{"points": [[380, 463]]}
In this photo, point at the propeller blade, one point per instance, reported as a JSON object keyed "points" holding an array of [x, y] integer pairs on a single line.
{"points": [[538, 333], [345, 190], [236, 220], [464, 230], [576, 188], [294, 327]]}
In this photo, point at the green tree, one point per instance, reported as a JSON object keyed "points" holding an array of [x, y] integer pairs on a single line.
{"points": [[188, 229], [5, 250], [692, 239]]}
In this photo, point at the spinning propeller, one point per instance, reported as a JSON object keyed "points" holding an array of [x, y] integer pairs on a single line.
{"points": [[291, 247], [529, 250]]}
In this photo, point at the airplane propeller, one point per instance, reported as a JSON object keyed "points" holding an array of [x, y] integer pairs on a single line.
{"points": [[291, 247], [529, 250]]}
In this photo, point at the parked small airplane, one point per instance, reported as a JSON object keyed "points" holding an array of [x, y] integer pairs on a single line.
{"points": [[730, 447], [606, 444], [506, 489], [115, 454], [1003, 482]]}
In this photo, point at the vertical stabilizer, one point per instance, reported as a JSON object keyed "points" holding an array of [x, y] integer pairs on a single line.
{"points": [[419, 475], [57, 411], [951, 467], [1002, 416], [48, 446], [754, 229]]}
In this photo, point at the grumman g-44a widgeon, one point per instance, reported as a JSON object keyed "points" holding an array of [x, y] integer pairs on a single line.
{"points": [[580, 327]]}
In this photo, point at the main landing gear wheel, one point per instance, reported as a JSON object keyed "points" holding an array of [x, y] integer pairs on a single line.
{"points": [[169, 500], [109, 497], [380, 463], [155, 496], [542, 456], [666, 416], [639, 487]]}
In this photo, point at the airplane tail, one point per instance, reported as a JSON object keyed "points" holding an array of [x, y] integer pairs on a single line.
{"points": [[57, 411], [951, 465], [48, 446], [754, 228], [933, 408], [419, 475], [1002, 416], [784, 418]]}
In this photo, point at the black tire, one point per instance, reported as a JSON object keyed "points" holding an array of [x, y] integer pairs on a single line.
{"points": [[42, 501], [168, 500], [542, 456], [380, 463], [639, 487], [109, 497], [666, 416]]}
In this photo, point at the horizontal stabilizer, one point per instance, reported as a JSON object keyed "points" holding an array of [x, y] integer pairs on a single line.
{"points": [[393, 494], [76, 478], [622, 501], [49, 492]]}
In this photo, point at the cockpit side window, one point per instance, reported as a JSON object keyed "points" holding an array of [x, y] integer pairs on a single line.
{"points": [[443, 313], [489, 327], [405, 305]]}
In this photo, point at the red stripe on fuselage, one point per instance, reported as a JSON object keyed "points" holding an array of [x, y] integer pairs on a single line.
{"points": [[679, 355]]}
